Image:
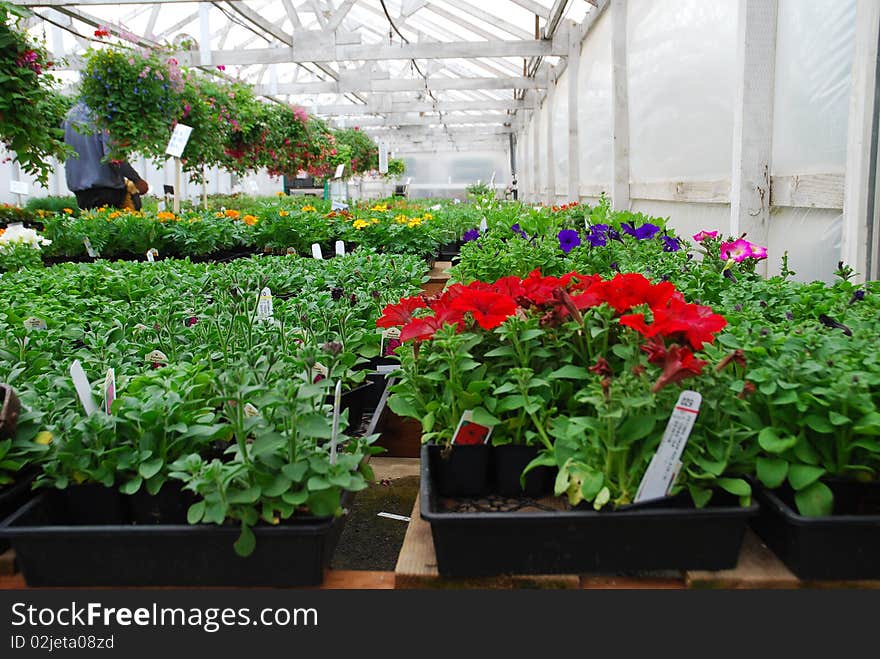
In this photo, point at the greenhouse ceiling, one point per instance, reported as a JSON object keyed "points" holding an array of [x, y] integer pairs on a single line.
{"points": [[412, 72]]}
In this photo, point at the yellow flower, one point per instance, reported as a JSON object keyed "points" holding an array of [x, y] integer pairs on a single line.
{"points": [[308, 209], [43, 438], [374, 221], [428, 216], [114, 215], [250, 220], [380, 207], [279, 194], [360, 224], [218, 214], [233, 214], [284, 213], [401, 219], [68, 211], [165, 215]]}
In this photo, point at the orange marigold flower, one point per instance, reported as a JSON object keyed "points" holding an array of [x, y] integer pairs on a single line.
{"points": [[165, 216], [250, 220], [234, 214]]}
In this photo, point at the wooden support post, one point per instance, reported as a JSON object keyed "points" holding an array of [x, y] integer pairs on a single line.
{"points": [[574, 147], [204, 187], [177, 179], [204, 34], [620, 199], [860, 206], [753, 122], [550, 199], [536, 160]]}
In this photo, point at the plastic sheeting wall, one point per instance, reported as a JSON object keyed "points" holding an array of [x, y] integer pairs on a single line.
{"points": [[445, 173], [681, 59], [594, 105], [560, 135]]}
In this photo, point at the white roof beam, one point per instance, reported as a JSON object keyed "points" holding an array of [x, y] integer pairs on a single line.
{"points": [[533, 7], [491, 19], [366, 84], [339, 14]]}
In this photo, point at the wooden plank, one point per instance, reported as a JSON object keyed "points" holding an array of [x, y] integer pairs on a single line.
{"points": [[333, 580], [704, 192], [630, 583], [808, 191], [858, 223], [417, 566], [753, 122], [758, 567]]}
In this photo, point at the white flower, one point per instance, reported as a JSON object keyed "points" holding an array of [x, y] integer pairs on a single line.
{"points": [[18, 234]]}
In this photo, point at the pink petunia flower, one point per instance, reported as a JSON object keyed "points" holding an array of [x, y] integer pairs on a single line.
{"points": [[705, 235]]}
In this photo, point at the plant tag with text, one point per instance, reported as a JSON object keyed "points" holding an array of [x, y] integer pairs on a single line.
{"points": [[19, 187], [264, 305], [483, 225], [109, 389], [82, 386], [340, 248], [334, 435], [34, 323], [316, 252], [91, 250], [665, 465], [388, 334], [337, 205], [469, 433], [178, 140], [321, 370]]}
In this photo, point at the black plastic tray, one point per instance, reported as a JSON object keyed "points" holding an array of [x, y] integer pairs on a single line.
{"points": [[51, 553], [13, 497], [844, 546], [666, 535]]}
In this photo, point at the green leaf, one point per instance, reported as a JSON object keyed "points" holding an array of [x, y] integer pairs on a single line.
{"points": [[838, 419], [278, 486], [246, 542], [250, 495], [602, 498], [324, 503], [819, 423], [295, 498], [150, 468], [637, 427], [868, 424], [318, 483], [196, 512], [132, 486], [700, 495], [315, 425], [815, 500], [800, 476], [481, 416], [773, 443], [295, 472], [570, 372], [401, 406], [771, 471], [736, 486]]}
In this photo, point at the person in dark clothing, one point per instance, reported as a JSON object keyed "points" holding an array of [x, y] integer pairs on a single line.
{"points": [[94, 182]]}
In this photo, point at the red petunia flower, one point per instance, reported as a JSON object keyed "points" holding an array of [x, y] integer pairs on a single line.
{"points": [[420, 329], [488, 309], [680, 364], [397, 315]]}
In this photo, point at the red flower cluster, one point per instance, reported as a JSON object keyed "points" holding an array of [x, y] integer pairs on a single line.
{"points": [[685, 326], [565, 207]]}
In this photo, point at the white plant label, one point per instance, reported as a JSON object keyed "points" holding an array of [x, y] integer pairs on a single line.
{"points": [[340, 248], [264, 305], [178, 140], [157, 357], [152, 253], [339, 170], [334, 435], [160, 206], [337, 205], [19, 187], [34, 323], [251, 410], [82, 386], [483, 225], [385, 369], [388, 334], [291, 251], [91, 250], [436, 207], [316, 252], [109, 389], [664, 466], [456, 201], [400, 518], [468, 432], [321, 370]]}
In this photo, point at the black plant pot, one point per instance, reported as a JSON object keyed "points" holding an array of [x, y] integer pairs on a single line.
{"points": [[90, 504], [461, 471], [13, 496], [450, 250], [357, 402], [167, 506], [845, 545], [509, 461]]}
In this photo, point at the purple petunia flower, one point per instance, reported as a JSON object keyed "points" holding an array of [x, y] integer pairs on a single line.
{"points": [[597, 239], [613, 234], [470, 234], [568, 240], [644, 232], [516, 228], [670, 244]]}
